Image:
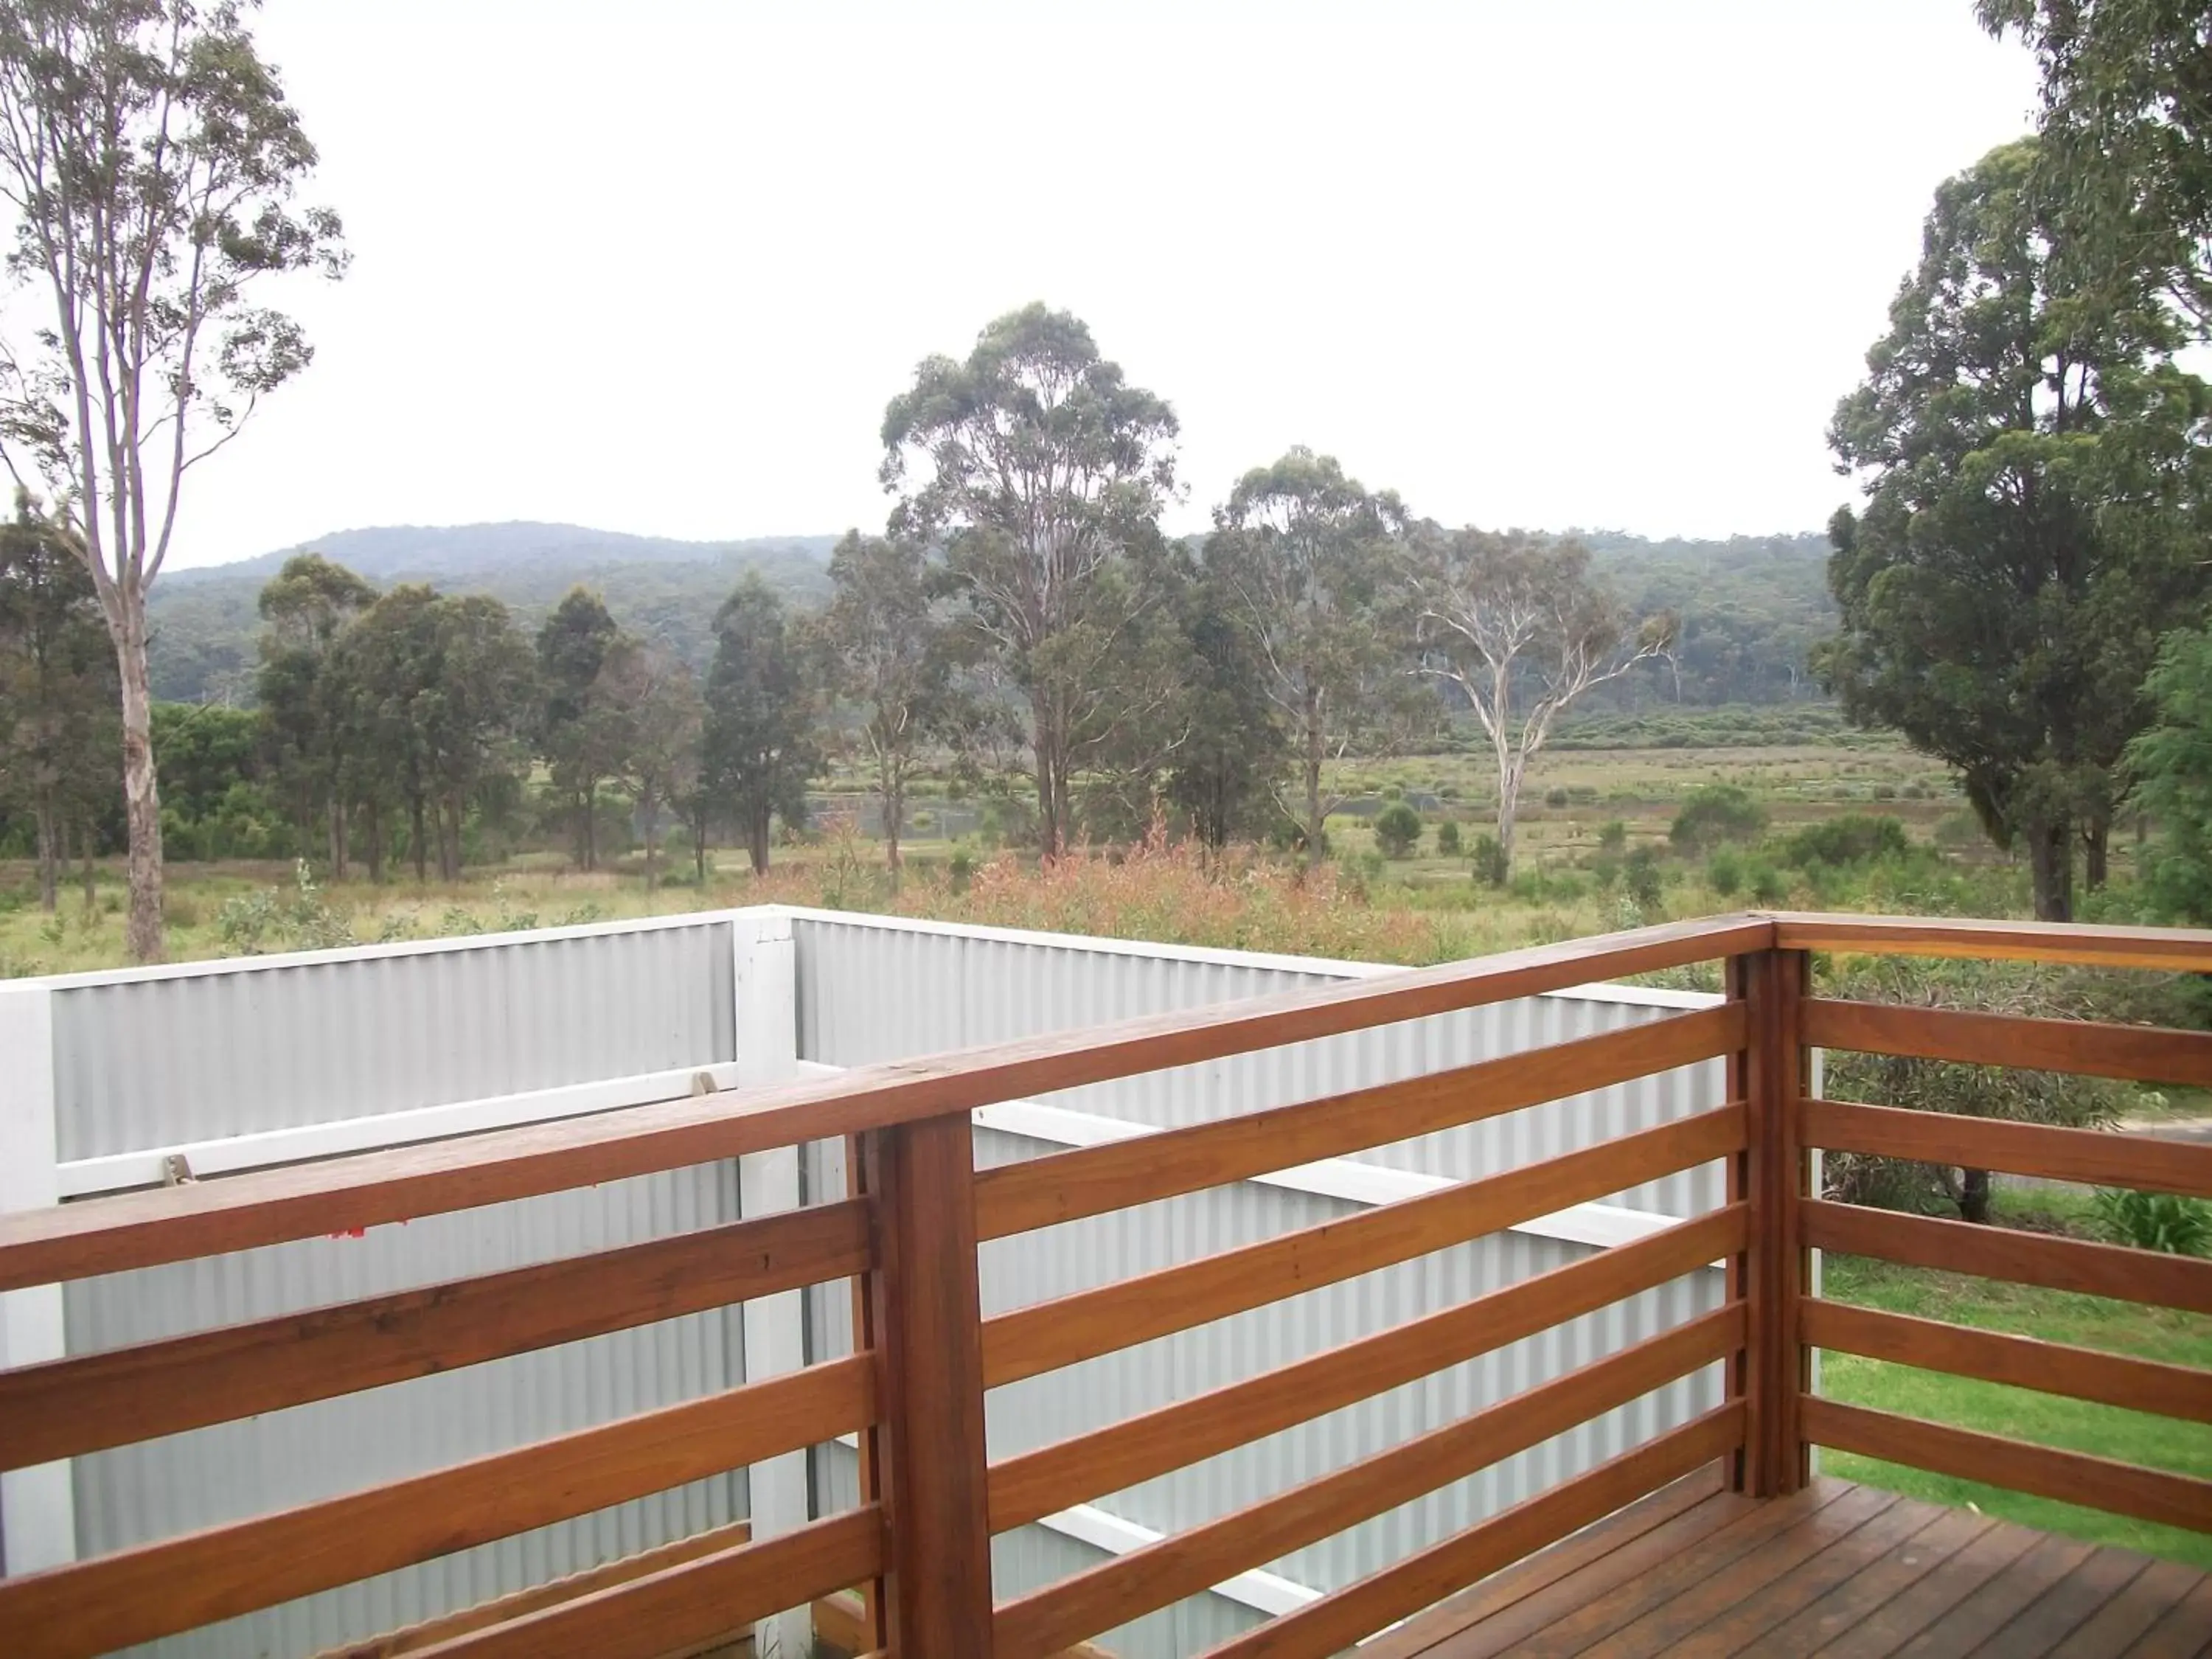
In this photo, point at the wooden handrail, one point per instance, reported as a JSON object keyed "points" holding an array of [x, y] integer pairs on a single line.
{"points": [[2092, 1157], [1044, 1192], [2021, 1362], [2069, 1477], [1049, 1334], [118, 1395], [269, 1206], [2137, 1054], [2169, 949], [2148, 1277], [136, 1595], [914, 1389], [1070, 1472], [1044, 1621], [672, 1610], [1329, 1627]]}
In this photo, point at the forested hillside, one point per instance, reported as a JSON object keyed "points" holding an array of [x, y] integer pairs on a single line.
{"points": [[206, 625], [1750, 606]]}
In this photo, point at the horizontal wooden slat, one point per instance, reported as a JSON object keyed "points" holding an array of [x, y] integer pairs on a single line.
{"points": [[1050, 1335], [1058, 1476], [1332, 1625], [206, 1217], [1042, 1192], [2025, 1362], [67, 1407], [2173, 949], [413, 1638], [678, 1607], [2098, 1157], [2069, 1477], [2057, 1264], [155, 1590], [2138, 1053], [1183, 1563]]}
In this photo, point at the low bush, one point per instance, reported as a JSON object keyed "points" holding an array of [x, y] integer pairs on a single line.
{"points": [[1448, 838], [1714, 813], [1397, 831], [1846, 839], [2155, 1221], [1490, 865]]}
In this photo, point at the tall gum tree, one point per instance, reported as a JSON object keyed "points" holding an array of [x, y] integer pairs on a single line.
{"points": [[2025, 439], [1313, 558], [1043, 472], [153, 162], [1514, 620]]}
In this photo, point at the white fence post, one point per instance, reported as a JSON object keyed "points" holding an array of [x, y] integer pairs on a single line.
{"points": [[38, 1505], [765, 983]]}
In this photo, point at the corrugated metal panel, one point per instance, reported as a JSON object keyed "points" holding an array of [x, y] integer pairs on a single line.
{"points": [[206, 1050], [161, 1487], [152, 1061], [869, 993], [1057, 1260]]}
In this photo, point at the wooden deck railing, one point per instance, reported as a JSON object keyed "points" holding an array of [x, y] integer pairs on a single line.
{"points": [[914, 1393]]}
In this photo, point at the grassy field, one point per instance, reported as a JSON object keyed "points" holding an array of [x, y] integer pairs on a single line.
{"points": [[2084, 1321]]}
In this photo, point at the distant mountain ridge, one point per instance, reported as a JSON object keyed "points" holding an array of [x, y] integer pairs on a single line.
{"points": [[206, 622], [1750, 605]]}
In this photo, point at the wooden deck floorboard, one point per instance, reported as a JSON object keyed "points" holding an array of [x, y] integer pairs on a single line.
{"points": [[1843, 1571]]}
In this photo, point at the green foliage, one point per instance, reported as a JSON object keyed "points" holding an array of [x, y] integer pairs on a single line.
{"points": [[1397, 831], [1725, 871], [1490, 867], [1642, 881], [1448, 838], [1555, 798], [1613, 836], [264, 918], [1226, 771], [1713, 813], [2173, 1223], [1849, 838], [1042, 472], [2031, 444], [2173, 765], [1312, 556], [2060, 1099], [759, 746], [1768, 886]]}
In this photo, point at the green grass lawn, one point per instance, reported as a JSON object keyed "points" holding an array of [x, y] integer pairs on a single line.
{"points": [[2108, 1431]]}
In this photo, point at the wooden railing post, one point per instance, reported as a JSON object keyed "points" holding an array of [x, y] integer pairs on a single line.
{"points": [[928, 1462], [1771, 1274]]}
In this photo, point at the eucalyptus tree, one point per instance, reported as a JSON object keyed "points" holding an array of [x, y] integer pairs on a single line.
{"points": [[762, 700], [153, 162], [1314, 561], [892, 651], [1515, 622], [1043, 472], [647, 707], [572, 649], [2030, 450], [305, 611], [56, 690]]}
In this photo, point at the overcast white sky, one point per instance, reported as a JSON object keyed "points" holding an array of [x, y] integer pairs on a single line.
{"points": [[658, 267]]}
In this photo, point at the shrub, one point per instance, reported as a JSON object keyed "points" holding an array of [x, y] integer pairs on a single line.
{"points": [[1555, 798], [1936, 1085], [1613, 837], [1725, 871], [1397, 829], [1713, 813], [1490, 867], [1767, 885], [1885, 792], [1849, 838], [1448, 838], [2155, 1221], [1643, 879]]}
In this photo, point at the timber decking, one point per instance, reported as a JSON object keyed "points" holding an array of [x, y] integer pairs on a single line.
{"points": [[1837, 1569]]}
